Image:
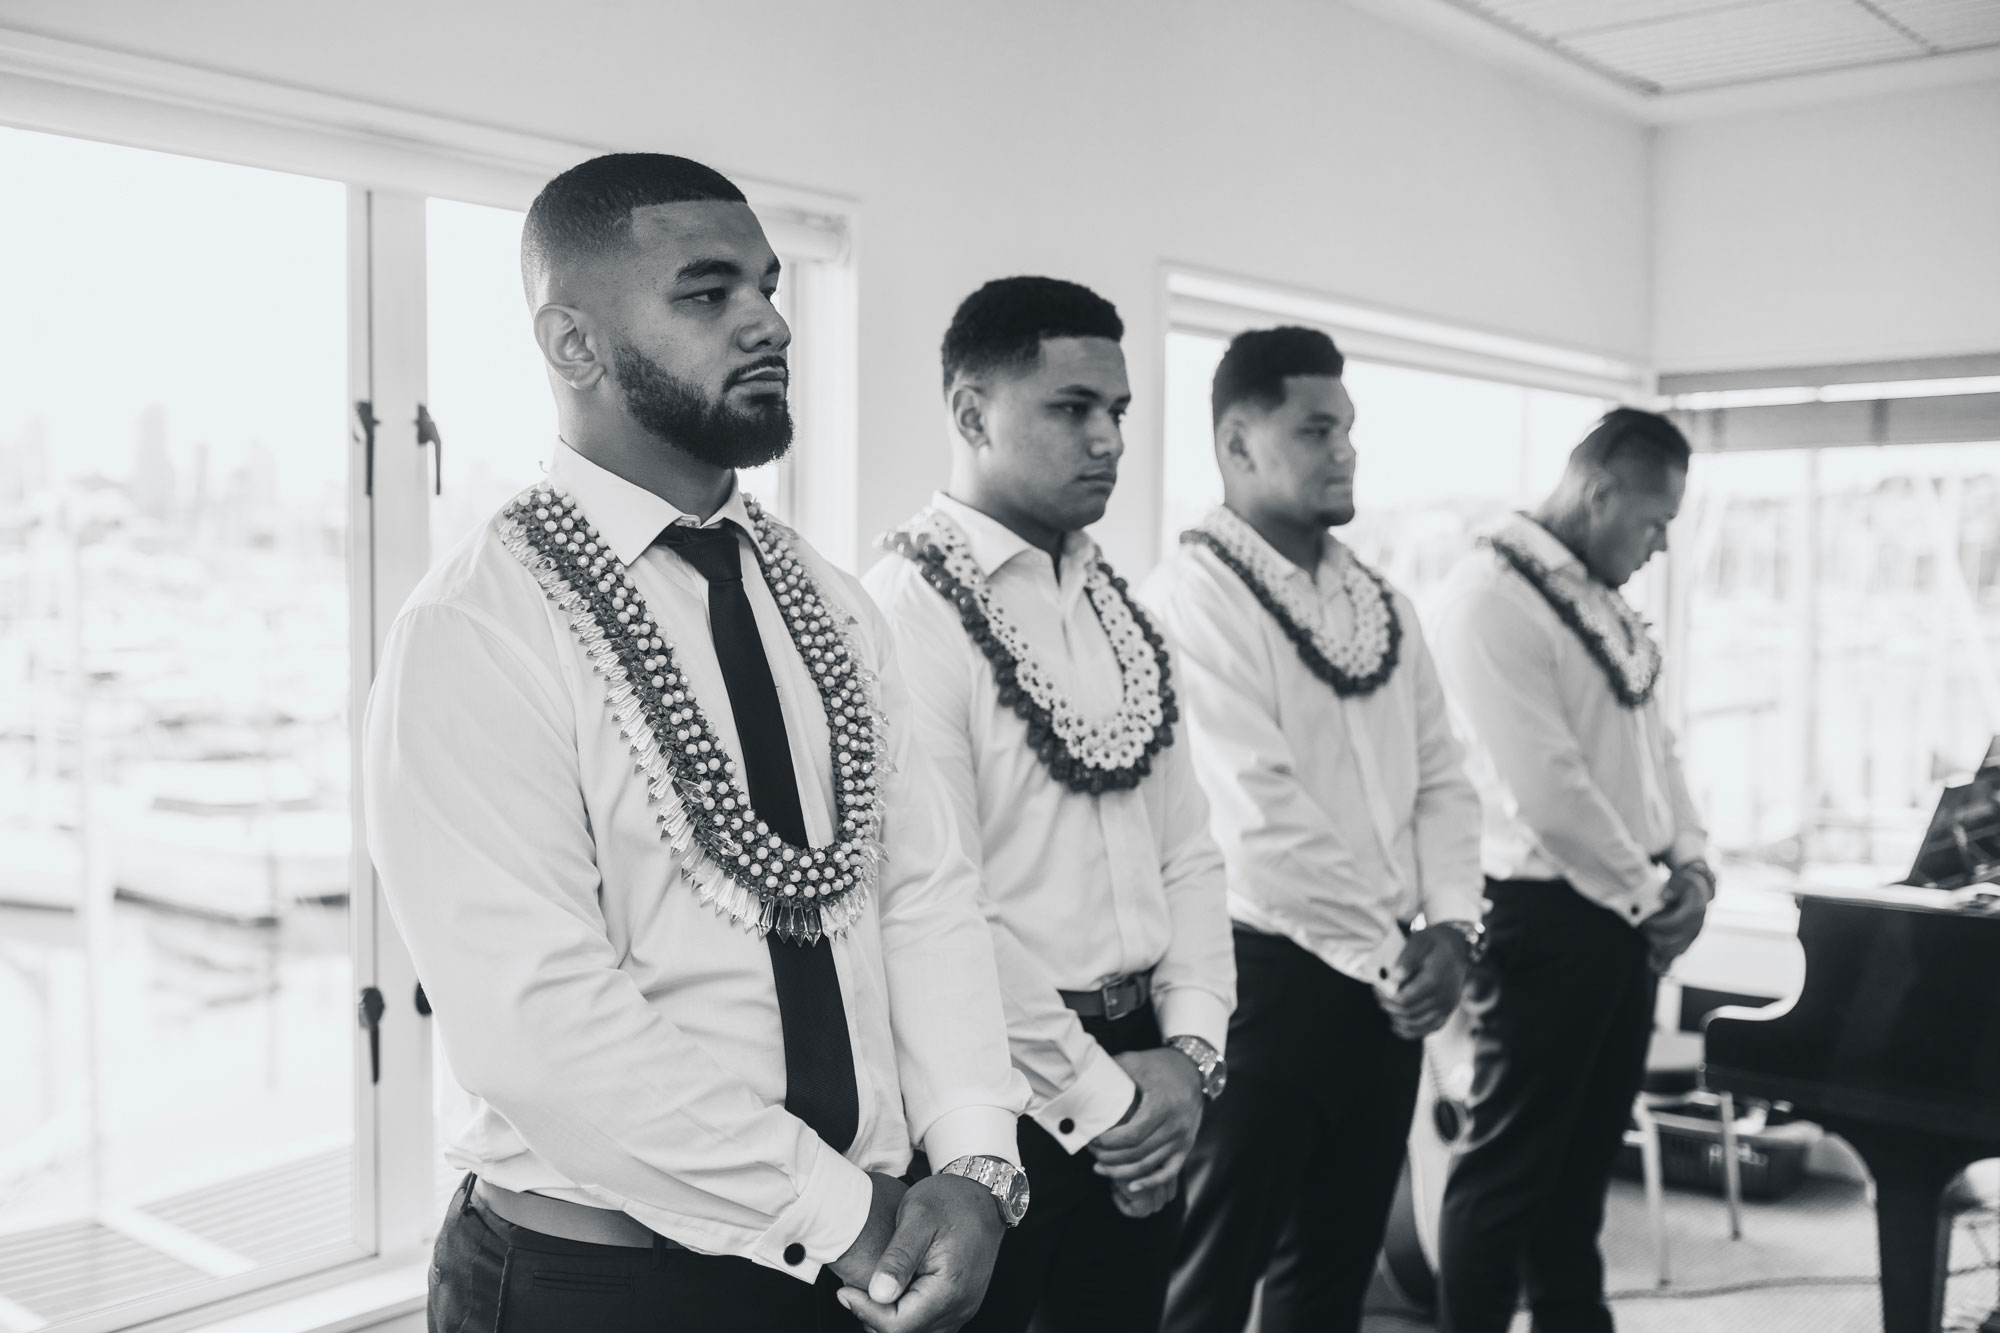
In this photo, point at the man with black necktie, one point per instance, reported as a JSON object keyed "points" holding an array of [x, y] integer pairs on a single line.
{"points": [[701, 943]]}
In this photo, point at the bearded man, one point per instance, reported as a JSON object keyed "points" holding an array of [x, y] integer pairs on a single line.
{"points": [[701, 944]]}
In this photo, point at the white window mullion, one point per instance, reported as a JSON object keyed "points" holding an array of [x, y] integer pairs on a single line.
{"points": [[396, 1158]]}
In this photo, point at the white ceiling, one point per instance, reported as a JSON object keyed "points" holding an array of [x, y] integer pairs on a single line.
{"points": [[1661, 48]]}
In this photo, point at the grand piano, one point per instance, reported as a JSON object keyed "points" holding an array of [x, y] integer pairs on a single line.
{"points": [[1893, 1042]]}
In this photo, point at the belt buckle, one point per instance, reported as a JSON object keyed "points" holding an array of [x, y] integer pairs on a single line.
{"points": [[1121, 998]]}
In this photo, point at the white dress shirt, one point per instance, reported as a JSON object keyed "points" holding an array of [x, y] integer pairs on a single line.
{"points": [[1575, 785], [1081, 890], [1340, 819], [619, 1040]]}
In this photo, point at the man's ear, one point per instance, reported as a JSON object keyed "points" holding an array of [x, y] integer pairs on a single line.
{"points": [[571, 345], [1232, 445], [968, 415]]}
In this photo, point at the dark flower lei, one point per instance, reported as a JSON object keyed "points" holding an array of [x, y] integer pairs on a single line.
{"points": [[1080, 773], [1342, 683], [732, 859], [1541, 578]]}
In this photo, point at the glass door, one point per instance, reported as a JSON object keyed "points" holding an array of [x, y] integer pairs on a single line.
{"points": [[177, 1099]]}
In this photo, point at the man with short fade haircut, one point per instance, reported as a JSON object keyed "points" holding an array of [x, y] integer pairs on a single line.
{"points": [[1351, 834], [1046, 704], [1594, 865], [641, 783]]}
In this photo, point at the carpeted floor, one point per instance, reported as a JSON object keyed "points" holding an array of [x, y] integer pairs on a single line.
{"points": [[1804, 1265]]}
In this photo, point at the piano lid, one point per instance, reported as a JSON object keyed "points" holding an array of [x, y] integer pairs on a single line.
{"points": [[1962, 845]]}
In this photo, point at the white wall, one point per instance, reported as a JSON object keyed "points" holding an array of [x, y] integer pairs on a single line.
{"points": [[1292, 140], [1854, 231]]}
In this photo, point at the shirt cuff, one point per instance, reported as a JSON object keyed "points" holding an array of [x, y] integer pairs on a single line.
{"points": [[1096, 1101], [1636, 905], [1380, 964], [1465, 903], [972, 1131], [822, 1222], [1185, 1011]]}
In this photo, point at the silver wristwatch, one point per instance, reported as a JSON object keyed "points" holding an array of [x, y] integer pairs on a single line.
{"points": [[1008, 1182], [1474, 935], [1208, 1062]]}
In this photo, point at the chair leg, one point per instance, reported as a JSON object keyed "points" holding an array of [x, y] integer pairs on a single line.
{"points": [[1656, 1202], [1732, 1171]]}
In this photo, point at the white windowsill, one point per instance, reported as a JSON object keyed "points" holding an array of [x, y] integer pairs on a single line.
{"points": [[359, 1303]]}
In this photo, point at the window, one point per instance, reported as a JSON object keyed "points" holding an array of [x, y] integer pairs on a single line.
{"points": [[1842, 612], [177, 1105]]}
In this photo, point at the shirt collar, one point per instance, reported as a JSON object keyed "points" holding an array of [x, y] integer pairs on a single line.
{"points": [[1333, 557], [992, 543], [629, 517], [1542, 544]]}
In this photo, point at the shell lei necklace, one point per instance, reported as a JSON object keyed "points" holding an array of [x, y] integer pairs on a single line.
{"points": [[729, 857], [1087, 755], [1616, 636], [1354, 668]]}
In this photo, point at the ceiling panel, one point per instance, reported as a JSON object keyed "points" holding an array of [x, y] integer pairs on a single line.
{"points": [[1948, 24], [1665, 46]]}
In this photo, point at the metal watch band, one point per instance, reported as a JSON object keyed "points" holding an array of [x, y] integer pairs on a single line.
{"points": [[1008, 1183], [1207, 1061], [1472, 933]]}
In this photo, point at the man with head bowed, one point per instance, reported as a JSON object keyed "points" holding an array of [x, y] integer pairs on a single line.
{"points": [[1046, 703], [1593, 853], [703, 948]]}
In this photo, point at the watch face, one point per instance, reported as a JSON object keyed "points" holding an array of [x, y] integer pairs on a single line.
{"points": [[1016, 1204]]}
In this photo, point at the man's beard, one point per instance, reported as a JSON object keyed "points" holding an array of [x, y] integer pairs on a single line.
{"points": [[709, 429]]}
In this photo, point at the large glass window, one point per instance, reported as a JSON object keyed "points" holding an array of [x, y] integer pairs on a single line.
{"points": [[176, 1099], [1838, 646]]}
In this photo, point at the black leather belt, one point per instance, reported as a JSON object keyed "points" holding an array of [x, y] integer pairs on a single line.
{"points": [[1126, 995]]}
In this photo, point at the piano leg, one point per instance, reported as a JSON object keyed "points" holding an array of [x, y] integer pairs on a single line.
{"points": [[1912, 1233]]}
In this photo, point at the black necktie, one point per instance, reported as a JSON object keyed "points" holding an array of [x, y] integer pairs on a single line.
{"points": [[819, 1060]]}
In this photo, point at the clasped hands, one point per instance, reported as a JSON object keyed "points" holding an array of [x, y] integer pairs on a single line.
{"points": [[1426, 982], [1683, 911], [924, 1257], [1142, 1155]]}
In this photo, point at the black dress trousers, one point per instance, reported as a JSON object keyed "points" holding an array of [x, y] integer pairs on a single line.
{"points": [[1562, 1013], [490, 1276], [1076, 1264], [1296, 1167]]}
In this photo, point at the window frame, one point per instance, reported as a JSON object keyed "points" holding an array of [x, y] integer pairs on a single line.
{"points": [[392, 161]]}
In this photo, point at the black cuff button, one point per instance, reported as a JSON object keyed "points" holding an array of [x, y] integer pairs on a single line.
{"points": [[795, 1254], [1068, 1126]]}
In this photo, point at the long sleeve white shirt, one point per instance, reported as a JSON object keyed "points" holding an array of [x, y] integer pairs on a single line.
{"points": [[1340, 819], [1080, 890], [619, 1040], [1575, 785]]}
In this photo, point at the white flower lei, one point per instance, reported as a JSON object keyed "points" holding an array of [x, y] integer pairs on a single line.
{"points": [[1087, 754], [734, 861], [1362, 661], [1611, 630]]}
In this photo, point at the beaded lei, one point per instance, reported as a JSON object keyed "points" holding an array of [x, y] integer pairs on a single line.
{"points": [[1087, 755], [731, 858]]}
